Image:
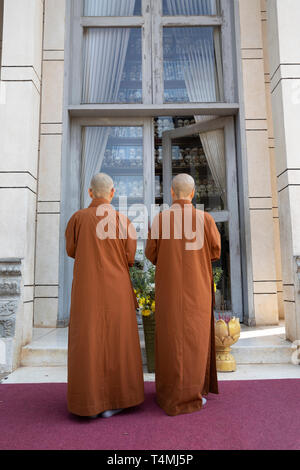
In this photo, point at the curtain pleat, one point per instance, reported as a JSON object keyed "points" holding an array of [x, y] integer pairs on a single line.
{"points": [[104, 59], [191, 7], [109, 7], [93, 149], [214, 149]]}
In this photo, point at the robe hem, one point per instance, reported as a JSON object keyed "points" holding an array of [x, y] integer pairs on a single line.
{"points": [[179, 410], [95, 410]]}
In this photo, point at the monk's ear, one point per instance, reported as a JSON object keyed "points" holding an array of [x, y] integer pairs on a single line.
{"points": [[91, 193]]}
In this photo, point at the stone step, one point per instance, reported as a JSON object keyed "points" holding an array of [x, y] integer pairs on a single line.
{"points": [[49, 348], [263, 345]]}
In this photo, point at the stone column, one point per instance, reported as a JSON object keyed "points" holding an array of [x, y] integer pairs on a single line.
{"points": [[270, 126], [19, 137], [1, 27], [49, 181], [284, 59], [259, 169]]}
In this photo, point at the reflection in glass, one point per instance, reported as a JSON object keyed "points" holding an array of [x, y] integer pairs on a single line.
{"points": [[202, 156], [192, 64], [112, 65], [112, 7], [222, 269], [189, 7], [189, 157], [117, 151]]}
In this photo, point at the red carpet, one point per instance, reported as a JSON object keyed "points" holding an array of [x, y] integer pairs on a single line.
{"points": [[262, 414]]}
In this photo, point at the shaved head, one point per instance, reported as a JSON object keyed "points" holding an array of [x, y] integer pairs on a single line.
{"points": [[183, 185], [101, 185]]}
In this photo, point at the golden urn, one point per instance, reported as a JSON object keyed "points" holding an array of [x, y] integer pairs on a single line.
{"points": [[226, 334]]}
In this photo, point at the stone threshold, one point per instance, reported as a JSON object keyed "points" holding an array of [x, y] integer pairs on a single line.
{"points": [[58, 374]]}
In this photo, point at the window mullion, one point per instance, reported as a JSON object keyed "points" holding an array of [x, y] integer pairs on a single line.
{"points": [[146, 52], [227, 51], [157, 52], [76, 52]]}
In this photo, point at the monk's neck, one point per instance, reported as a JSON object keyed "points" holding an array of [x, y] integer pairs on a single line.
{"points": [[97, 201]]}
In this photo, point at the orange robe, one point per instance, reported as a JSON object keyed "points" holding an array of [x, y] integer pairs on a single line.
{"points": [[185, 362], [104, 356]]}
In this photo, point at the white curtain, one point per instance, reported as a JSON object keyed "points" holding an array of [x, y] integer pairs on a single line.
{"points": [[191, 7], [104, 59], [108, 7], [93, 149], [214, 149]]}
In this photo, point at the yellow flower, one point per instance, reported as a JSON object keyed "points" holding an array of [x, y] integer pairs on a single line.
{"points": [[142, 300], [215, 286], [146, 313], [153, 306]]}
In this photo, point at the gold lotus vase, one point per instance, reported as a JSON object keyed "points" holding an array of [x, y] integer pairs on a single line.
{"points": [[226, 334]]}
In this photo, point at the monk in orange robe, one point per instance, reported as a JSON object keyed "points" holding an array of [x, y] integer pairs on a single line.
{"points": [[105, 371], [185, 362]]}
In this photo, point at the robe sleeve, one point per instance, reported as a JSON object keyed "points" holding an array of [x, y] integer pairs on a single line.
{"points": [[130, 243], [71, 236], [215, 240], [151, 250]]}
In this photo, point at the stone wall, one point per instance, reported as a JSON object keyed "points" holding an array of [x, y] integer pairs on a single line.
{"points": [[19, 137], [1, 27], [266, 276], [48, 209], [284, 61]]}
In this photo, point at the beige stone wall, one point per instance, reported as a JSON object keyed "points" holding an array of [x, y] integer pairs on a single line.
{"points": [[264, 24], [19, 137], [266, 272], [48, 209], [1, 27], [284, 59]]}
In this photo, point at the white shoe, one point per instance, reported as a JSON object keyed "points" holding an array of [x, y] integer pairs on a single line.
{"points": [[204, 401], [110, 413]]}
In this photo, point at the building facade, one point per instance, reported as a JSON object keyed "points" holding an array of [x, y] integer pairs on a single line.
{"points": [[143, 90]]}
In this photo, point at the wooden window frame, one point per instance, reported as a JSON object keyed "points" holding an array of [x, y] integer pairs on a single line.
{"points": [[74, 112], [151, 23]]}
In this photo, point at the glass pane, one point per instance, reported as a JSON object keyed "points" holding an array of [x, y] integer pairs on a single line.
{"points": [[112, 65], [192, 65], [112, 7], [201, 156], [221, 270], [161, 124], [117, 151], [189, 7]]}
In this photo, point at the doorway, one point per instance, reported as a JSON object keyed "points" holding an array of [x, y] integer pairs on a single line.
{"points": [[205, 149], [142, 155]]}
